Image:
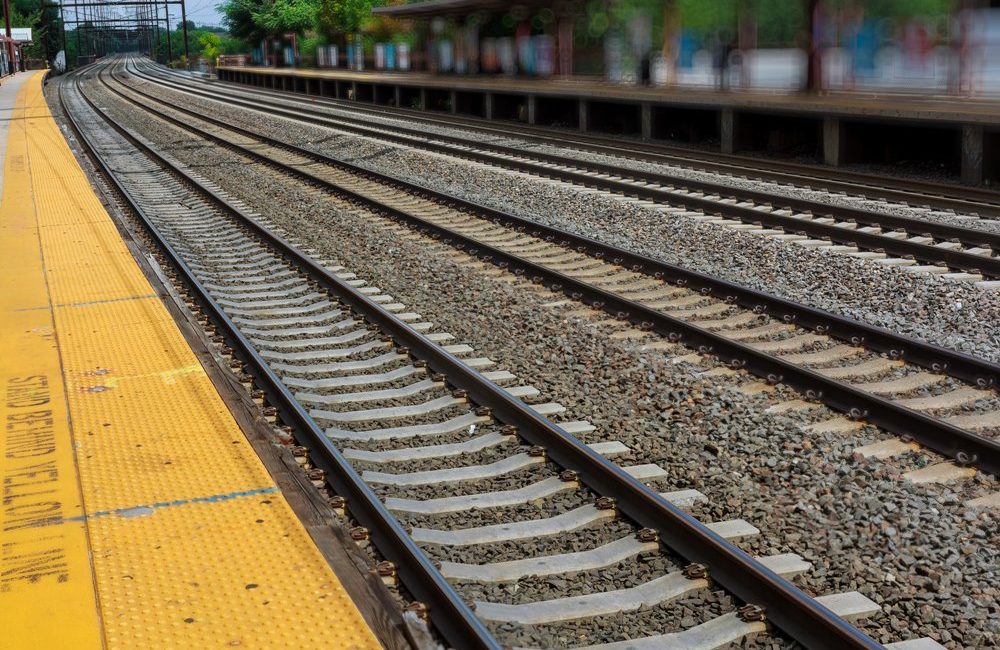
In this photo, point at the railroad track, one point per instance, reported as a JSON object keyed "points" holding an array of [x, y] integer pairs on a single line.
{"points": [[924, 394], [942, 196], [411, 435], [924, 245]]}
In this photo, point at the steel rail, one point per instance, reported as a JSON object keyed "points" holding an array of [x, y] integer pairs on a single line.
{"points": [[818, 208], [962, 366], [421, 139], [947, 196], [971, 369], [949, 440], [798, 615], [450, 614]]}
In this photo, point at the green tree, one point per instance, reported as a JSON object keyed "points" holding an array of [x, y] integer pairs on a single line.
{"points": [[283, 16], [238, 16], [44, 22], [210, 46], [337, 17]]}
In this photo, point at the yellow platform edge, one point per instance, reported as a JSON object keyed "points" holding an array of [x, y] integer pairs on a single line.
{"points": [[135, 513]]}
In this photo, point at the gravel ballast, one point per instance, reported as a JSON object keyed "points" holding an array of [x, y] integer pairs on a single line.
{"points": [[681, 171], [928, 560], [953, 314]]}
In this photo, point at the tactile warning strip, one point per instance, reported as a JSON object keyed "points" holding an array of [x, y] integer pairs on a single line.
{"points": [[135, 513]]}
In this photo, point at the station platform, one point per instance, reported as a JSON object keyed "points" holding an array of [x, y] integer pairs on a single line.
{"points": [[842, 125], [135, 511], [842, 103]]}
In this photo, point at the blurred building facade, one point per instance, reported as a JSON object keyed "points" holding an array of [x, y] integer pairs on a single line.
{"points": [[925, 46]]}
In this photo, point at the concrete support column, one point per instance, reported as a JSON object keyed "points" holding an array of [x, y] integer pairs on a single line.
{"points": [[583, 115], [833, 142], [453, 101], [354, 90], [532, 109], [397, 95], [973, 142], [646, 117], [423, 99], [488, 105], [727, 130]]}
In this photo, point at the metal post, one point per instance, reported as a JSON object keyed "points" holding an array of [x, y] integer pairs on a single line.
{"points": [[727, 130], [62, 22], [88, 37], [10, 42], [813, 74], [166, 15], [973, 147], [154, 15], [184, 23]]}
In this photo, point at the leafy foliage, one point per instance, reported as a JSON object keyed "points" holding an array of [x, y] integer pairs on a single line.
{"points": [[238, 16], [343, 16], [210, 46], [45, 25], [283, 16]]}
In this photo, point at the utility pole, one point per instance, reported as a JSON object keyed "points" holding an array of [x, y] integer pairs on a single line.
{"points": [[62, 23], [154, 14], [10, 42], [166, 15], [184, 24], [77, 30]]}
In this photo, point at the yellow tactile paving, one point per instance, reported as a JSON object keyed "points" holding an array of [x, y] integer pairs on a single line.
{"points": [[134, 512]]}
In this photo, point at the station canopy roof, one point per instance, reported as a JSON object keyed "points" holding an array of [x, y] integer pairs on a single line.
{"points": [[429, 8]]}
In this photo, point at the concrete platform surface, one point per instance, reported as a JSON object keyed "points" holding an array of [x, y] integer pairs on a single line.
{"points": [[890, 106], [135, 511]]}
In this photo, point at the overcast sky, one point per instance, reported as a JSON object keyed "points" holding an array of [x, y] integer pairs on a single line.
{"points": [[202, 12]]}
